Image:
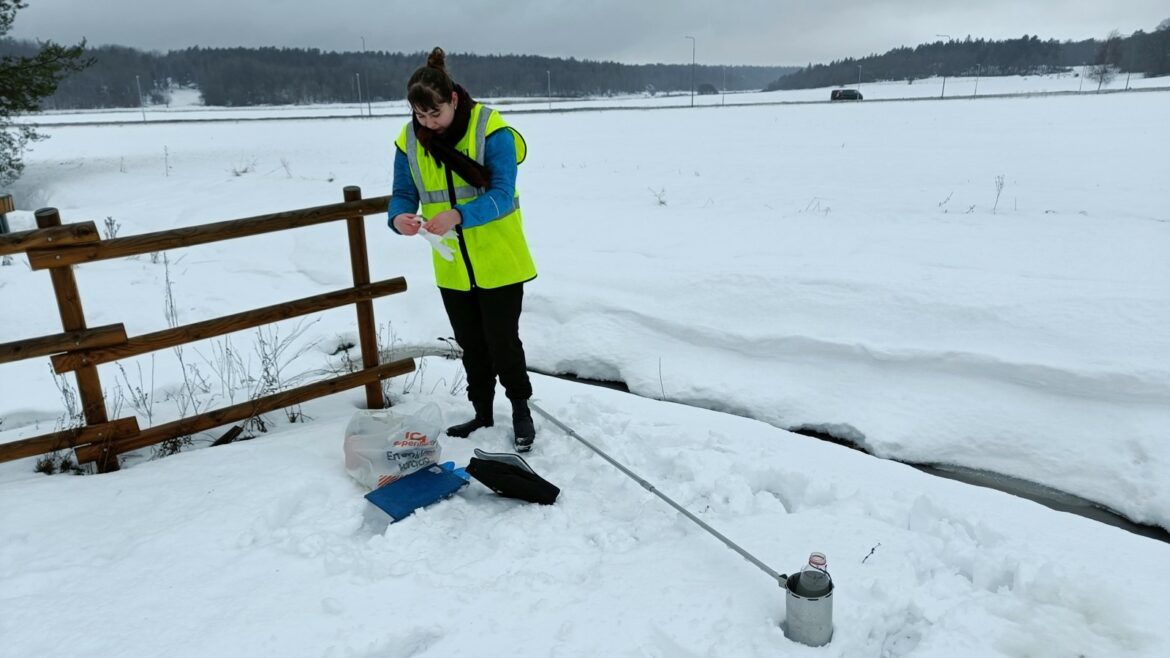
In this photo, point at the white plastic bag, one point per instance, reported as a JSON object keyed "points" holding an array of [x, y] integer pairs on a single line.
{"points": [[383, 445]]}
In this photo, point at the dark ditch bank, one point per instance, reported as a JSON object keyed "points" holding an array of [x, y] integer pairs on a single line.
{"points": [[1051, 498]]}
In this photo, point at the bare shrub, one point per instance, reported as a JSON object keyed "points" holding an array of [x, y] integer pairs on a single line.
{"points": [[111, 228], [140, 394], [187, 398], [276, 354], [228, 365], [999, 181], [243, 167], [60, 461]]}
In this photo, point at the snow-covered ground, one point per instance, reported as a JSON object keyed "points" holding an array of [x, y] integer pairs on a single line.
{"points": [[975, 283]]}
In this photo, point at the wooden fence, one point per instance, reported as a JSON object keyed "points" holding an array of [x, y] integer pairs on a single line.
{"points": [[80, 349]]}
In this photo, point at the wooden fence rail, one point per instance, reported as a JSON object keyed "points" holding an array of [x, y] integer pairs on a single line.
{"points": [[244, 410], [191, 236], [166, 338], [79, 349], [15, 243], [72, 438], [111, 334]]}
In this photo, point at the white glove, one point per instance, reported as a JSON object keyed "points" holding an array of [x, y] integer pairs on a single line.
{"points": [[438, 244]]}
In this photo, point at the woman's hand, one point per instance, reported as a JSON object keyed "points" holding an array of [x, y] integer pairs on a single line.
{"points": [[407, 223], [443, 222]]}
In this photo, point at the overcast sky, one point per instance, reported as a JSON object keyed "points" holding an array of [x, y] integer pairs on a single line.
{"points": [[768, 32]]}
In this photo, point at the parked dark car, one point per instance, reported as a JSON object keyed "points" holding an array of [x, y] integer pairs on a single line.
{"points": [[845, 95]]}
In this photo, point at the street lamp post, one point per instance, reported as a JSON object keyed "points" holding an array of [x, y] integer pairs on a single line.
{"points": [[141, 104], [549, 74], [369, 108], [944, 75], [859, 77], [692, 70], [358, 78]]}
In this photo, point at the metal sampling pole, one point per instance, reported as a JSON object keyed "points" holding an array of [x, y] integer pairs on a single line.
{"points": [[772, 573]]}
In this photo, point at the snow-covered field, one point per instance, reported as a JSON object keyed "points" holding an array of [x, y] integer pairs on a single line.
{"points": [[186, 104], [979, 283]]}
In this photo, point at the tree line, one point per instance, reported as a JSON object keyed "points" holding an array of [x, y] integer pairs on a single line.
{"points": [[119, 76], [1141, 52], [276, 76]]}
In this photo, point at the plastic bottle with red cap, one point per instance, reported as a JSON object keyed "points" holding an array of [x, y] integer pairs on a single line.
{"points": [[814, 580]]}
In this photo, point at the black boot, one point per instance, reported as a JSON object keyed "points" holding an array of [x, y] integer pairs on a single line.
{"points": [[522, 425], [483, 418]]}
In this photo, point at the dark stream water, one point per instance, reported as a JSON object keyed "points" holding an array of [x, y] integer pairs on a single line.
{"points": [[1047, 496]]}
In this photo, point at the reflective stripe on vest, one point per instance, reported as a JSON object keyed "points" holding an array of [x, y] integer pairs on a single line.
{"points": [[497, 249]]}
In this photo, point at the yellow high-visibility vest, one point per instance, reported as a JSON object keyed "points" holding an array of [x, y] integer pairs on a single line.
{"points": [[496, 251]]}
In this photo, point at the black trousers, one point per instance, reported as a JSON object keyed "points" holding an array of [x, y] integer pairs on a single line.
{"points": [[487, 325]]}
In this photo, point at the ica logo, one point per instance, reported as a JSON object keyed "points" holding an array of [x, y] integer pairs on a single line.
{"points": [[411, 440]]}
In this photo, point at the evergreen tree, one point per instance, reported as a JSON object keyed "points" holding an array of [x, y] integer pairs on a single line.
{"points": [[24, 81]]}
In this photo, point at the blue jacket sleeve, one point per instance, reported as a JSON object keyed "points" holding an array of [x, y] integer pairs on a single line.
{"points": [[404, 195], [500, 158]]}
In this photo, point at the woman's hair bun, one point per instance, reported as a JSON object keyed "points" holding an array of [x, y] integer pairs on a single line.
{"points": [[437, 59]]}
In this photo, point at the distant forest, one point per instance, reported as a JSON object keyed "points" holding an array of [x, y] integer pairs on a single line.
{"points": [[1141, 52], [121, 76], [279, 76]]}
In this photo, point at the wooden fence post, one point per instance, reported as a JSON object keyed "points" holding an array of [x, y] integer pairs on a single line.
{"points": [[89, 387], [6, 206], [367, 330]]}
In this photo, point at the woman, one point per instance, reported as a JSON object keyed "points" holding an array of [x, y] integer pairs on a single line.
{"points": [[459, 159]]}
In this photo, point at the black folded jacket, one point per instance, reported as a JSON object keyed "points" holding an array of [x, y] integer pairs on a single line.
{"points": [[510, 480]]}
